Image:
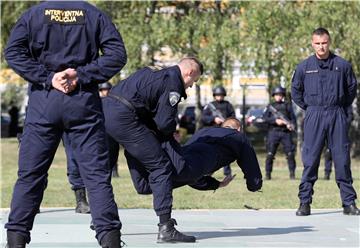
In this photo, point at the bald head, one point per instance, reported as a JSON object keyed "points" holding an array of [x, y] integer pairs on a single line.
{"points": [[232, 123], [191, 70]]}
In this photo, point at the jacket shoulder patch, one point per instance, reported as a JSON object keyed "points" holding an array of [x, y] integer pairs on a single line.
{"points": [[174, 98]]}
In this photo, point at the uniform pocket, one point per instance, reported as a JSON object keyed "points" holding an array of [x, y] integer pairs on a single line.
{"points": [[311, 84]]}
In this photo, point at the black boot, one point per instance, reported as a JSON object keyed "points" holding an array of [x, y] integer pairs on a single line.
{"points": [[168, 234], [92, 226], [15, 240], [292, 175], [82, 206], [268, 176], [112, 240], [351, 210], [304, 209]]}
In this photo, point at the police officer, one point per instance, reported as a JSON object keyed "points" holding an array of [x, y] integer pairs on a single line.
{"points": [[206, 152], [216, 112], [139, 113], [324, 85], [55, 46], [280, 131]]}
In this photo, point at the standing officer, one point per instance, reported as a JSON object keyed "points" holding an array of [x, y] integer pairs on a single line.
{"points": [[55, 46], [324, 85], [216, 112], [280, 131], [139, 113]]}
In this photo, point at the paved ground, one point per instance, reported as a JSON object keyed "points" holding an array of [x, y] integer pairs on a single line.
{"points": [[62, 228]]}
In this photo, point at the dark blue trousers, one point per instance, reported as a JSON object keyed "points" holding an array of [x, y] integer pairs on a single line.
{"points": [[328, 124], [141, 144], [50, 113], [73, 171]]}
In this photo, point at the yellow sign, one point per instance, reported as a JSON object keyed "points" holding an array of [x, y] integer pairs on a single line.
{"points": [[61, 16]]}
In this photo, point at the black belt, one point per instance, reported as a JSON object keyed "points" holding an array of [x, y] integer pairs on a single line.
{"points": [[123, 101]]}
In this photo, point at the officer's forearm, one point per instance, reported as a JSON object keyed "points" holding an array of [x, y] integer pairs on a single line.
{"points": [[29, 69]]}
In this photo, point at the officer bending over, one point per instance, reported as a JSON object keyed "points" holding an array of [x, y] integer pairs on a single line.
{"points": [[206, 152], [139, 114], [280, 131], [55, 46], [324, 85]]}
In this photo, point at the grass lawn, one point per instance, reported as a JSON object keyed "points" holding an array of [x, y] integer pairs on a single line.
{"points": [[280, 192]]}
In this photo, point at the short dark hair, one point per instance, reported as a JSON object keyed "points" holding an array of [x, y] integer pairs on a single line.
{"points": [[321, 31], [200, 65]]}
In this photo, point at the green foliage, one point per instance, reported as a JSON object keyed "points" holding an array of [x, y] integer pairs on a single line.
{"points": [[279, 193], [265, 36], [10, 12]]}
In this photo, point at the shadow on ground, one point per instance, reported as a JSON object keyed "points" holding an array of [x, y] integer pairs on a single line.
{"points": [[260, 231]]}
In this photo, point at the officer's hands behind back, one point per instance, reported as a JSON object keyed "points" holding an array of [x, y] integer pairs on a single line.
{"points": [[65, 81]]}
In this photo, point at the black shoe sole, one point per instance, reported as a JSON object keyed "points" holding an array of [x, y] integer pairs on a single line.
{"points": [[351, 214], [302, 214], [160, 241]]}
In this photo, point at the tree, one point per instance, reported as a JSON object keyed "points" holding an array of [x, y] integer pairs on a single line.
{"points": [[10, 12]]}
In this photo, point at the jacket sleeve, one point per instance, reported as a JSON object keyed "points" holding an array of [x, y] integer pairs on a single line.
{"points": [[18, 55], [351, 84], [113, 57], [167, 107], [205, 183], [165, 117], [247, 161], [297, 87]]}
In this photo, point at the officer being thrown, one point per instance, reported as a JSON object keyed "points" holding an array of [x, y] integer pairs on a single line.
{"points": [[206, 152], [280, 131], [139, 114]]}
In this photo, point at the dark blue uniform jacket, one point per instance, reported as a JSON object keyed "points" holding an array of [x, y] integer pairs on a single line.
{"points": [[328, 82], [53, 47], [150, 92]]}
